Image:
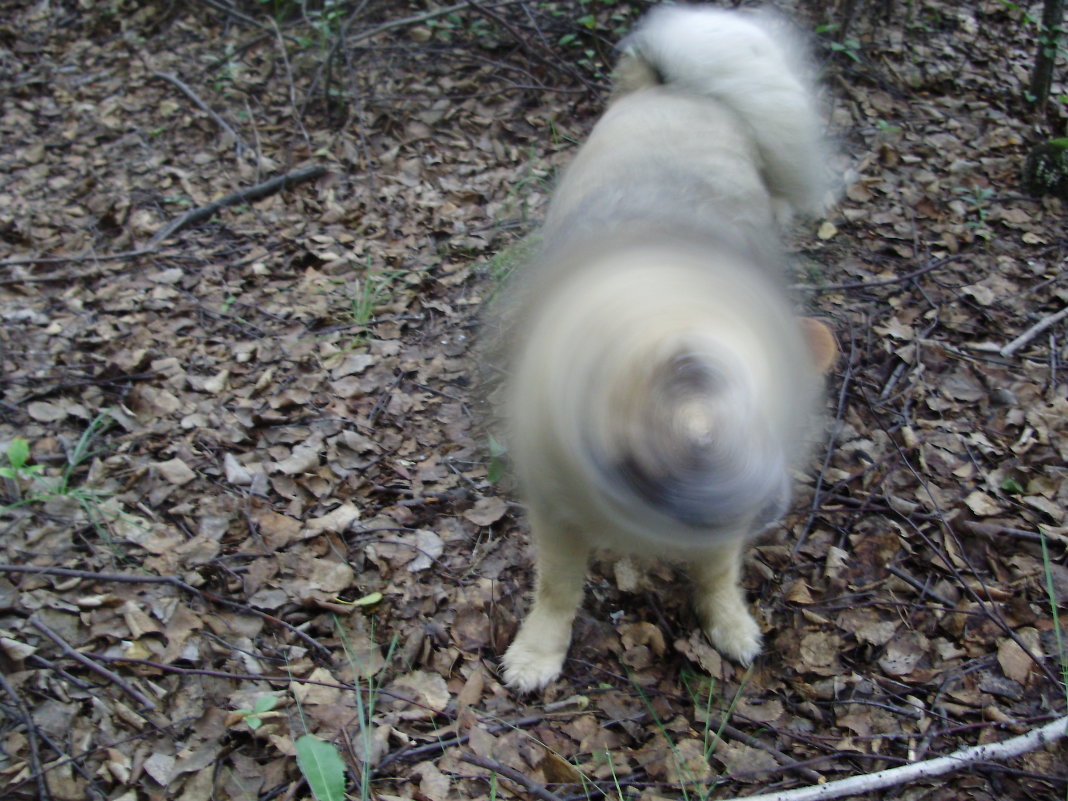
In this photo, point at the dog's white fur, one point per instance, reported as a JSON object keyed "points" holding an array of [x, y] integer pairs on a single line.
{"points": [[661, 386]]}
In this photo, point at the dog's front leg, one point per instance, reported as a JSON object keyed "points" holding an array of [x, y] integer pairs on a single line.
{"points": [[536, 656], [721, 605]]}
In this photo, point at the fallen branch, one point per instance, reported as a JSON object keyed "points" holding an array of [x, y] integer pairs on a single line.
{"points": [[100, 670], [188, 92], [1033, 332], [893, 777], [249, 195], [534, 788], [900, 279], [31, 738], [174, 581]]}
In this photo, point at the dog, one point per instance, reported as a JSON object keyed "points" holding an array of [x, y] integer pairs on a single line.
{"points": [[660, 387]]}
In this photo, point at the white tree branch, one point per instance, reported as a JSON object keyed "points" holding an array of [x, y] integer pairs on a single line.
{"points": [[1033, 332], [858, 785]]}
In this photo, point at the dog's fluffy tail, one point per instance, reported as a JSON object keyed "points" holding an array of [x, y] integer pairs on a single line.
{"points": [[755, 65]]}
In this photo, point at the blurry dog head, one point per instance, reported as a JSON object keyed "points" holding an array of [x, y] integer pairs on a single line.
{"points": [[663, 390]]}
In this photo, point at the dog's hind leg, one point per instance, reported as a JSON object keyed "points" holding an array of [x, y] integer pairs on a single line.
{"points": [[721, 605], [536, 656]]}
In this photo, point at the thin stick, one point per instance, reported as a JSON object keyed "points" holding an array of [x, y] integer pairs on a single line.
{"points": [[871, 782], [174, 581], [110, 675], [188, 92], [1033, 332], [534, 788], [31, 738], [930, 267], [248, 195], [920, 586]]}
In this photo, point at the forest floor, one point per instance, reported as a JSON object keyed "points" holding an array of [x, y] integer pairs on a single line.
{"points": [[261, 501]]}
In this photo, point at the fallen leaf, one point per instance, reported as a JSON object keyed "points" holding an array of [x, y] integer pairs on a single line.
{"points": [[176, 471], [487, 511]]}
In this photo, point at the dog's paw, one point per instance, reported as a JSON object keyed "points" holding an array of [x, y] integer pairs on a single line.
{"points": [[736, 636], [528, 668]]}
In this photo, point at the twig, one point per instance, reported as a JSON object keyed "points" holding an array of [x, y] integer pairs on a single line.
{"points": [[248, 195], [786, 763], [31, 738], [920, 586], [930, 267], [239, 143], [415, 19], [893, 777], [110, 675], [297, 117], [1033, 332], [534, 788], [174, 581], [41, 279], [552, 63]]}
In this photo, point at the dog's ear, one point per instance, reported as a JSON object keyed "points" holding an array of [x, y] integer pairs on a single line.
{"points": [[821, 342]]}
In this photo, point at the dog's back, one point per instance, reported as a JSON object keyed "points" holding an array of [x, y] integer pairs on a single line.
{"points": [[715, 104]]}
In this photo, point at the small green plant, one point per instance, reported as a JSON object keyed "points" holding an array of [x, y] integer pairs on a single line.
{"points": [[978, 202], [366, 700], [17, 470], [254, 716], [495, 468], [848, 46], [884, 127], [1058, 634], [42, 488]]}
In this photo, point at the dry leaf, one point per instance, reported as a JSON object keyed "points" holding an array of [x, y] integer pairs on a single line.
{"points": [[487, 511], [176, 471]]}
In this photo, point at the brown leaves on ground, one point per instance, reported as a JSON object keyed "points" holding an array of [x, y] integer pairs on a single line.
{"points": [[263, 507]]}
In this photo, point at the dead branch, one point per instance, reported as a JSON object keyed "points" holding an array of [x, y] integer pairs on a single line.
{"points": [[1033, 332], [297, 116], [145, 702], [893, 777], [416, 19], [239, 143], [31, 739], [920, 586], [551, 61], [534, 788], [249, 195], [174, 581], [900, 279]]}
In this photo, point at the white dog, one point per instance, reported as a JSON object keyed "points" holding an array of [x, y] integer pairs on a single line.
{"points": [[660, 385]]}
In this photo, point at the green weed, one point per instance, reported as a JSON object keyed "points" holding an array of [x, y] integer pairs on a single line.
{"points": [[30, 486], [42, 487], [320, 761], [978, 202], [17, 469], [496, 467], [848, 47], [263, 705], [511, 257], [1058, 633], [366, 699]]}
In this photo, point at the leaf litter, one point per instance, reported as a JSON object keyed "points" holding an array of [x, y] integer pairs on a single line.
{"points": [[262, 448]]}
